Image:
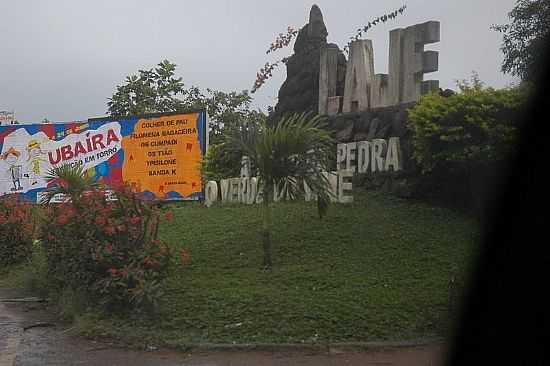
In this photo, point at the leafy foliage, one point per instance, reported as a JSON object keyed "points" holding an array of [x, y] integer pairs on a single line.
{"points": [[16, 231], [525, 38], [108, 249], [226, 111], [105, 246], [159, 90], [381, 19], [221, 161], [297, 150], [476, 125], [282, 41], [153, 90], [67, 181]]}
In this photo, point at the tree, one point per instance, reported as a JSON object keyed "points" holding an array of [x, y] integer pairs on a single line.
{"points": [[287, 157], [226, 111], [525, 38], [153, 90], [158, 90]]}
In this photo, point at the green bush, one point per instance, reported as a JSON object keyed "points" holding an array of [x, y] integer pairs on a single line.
{"points": [[463, 143], [220, 162], [223, 158], [16, 231], [477, 125], [108, 249]]}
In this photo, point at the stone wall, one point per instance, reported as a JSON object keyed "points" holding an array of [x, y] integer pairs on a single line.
{"points": [[380, 123]]}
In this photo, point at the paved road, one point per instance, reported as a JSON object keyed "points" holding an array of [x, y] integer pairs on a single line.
{"points": [[55, 345]]}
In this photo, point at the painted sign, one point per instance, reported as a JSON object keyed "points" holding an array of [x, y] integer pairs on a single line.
{"points": [[159, 155]]}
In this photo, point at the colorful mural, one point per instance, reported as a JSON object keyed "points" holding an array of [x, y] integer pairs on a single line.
{"points": [[158, 155]]}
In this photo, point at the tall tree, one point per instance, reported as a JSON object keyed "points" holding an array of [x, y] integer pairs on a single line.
{"points": [[159, 90], [150, 91], [289, 156], [525, 38]]}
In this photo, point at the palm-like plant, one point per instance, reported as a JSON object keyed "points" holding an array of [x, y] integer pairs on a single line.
{"points": [[67, 180], [288, 157]]}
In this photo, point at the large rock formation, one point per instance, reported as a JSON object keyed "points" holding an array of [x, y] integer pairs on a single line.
{"points": [[300, 91]]}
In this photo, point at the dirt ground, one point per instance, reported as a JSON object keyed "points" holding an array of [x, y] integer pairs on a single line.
{"points": [[30, 336]]}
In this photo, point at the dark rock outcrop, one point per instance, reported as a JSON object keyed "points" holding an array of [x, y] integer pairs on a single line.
{"points": [[300, 91]]}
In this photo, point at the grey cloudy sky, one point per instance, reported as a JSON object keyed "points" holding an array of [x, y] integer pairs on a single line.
{"points": [[62, 59]]}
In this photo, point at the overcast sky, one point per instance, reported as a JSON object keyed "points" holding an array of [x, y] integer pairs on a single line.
{"points": [[62, 59]]}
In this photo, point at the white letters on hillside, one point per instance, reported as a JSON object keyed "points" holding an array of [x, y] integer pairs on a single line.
{"points": [[210, 193], [370, 156], [245, 190], [361, 157], [345, 186]]}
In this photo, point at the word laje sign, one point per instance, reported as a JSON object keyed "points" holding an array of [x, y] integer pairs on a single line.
{"points": [[361, 157], [159, 155]]}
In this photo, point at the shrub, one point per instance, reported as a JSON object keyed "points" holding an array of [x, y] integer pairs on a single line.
{"points": [[223, 158], [220, 162], [16, 231], [477, 125], [462, 143], [108, 249]]}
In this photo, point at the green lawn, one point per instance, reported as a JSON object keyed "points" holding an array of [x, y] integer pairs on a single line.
{"points": [[377, 269], [374, 270]]}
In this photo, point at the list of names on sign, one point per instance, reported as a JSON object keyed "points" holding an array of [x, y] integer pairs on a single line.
{"points": [[163, 154]]}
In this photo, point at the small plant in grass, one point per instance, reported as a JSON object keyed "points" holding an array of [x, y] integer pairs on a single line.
{"points": [[16, 230], [289, 156], [107, 247]]}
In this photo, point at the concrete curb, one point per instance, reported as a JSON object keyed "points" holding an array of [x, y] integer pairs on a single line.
{"points": [[330, 348]]}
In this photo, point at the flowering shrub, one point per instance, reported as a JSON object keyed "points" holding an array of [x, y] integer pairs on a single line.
{"points": [[108, 248], [16, 229]]}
